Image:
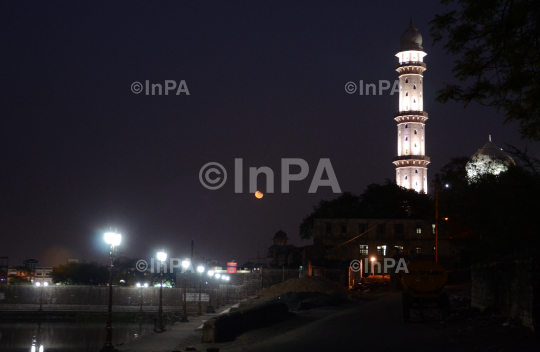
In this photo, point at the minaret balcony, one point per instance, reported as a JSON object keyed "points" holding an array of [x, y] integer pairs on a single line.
{"points": [[411, 160], [411, 63], [411, 116]]}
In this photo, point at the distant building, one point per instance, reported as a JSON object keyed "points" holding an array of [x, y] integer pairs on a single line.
{"points": [[350, 239], [73, 261], [31, 264], [280, 250], [43, 274], [488, 159]]}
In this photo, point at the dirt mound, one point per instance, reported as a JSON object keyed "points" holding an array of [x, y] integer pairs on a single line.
{"points": [[305, 284]]}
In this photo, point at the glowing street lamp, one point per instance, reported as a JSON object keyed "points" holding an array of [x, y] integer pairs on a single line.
{"points": [[185, 265], [113, 239], [141, 287], [162, 257], [210, 307], [200, 269], [38, 284]]}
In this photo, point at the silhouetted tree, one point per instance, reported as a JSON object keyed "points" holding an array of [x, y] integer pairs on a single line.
{"points": [[499, 57]]}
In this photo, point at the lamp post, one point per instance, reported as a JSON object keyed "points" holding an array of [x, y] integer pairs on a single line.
{"points": [[217, 276], [228, 278], [162, 256], [200, 269], [185, 265], [38, 284], [436, 181], [141, 287], [113, 239], [210, 307]]}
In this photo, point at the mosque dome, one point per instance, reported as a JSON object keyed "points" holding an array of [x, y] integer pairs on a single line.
{"points": [[488, 159], [411, 39]]}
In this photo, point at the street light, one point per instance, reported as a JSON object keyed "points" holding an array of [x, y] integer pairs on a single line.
{"points": [[210, 307], [38, 284], [227, 278], [113, 239], [200, 269], [185, 265], [141, 287], [162, 257]]}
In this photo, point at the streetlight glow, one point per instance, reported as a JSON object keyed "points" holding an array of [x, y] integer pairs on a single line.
{"points": [[45, 283], [217, 276], [162, 256], [38, 283], [185, 263], [200, 269], [113, 238], [372, 259], [210, 272]]}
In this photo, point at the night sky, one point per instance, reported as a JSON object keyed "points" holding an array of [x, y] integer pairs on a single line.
{"points": [[80, 152]]}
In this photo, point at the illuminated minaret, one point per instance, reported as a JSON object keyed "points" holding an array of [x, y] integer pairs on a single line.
{"points": [[411, 162]]}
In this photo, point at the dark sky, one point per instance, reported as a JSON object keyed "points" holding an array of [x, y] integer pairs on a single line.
{"points": [[80, 152]]}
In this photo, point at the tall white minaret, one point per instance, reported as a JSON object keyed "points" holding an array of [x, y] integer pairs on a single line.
{"points": [[411, 162]]}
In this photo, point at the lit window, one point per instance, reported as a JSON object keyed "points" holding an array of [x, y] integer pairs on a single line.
{"points": [[418, 229], [433, 227], [381, 250], [364, 249], [398, 249], [418, 250]]}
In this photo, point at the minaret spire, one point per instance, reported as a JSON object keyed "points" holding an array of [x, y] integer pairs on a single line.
{"points": [[411, 161]]}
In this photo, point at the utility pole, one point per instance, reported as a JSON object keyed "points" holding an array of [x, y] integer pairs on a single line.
{"points": [[436, 218], [191, 252]]}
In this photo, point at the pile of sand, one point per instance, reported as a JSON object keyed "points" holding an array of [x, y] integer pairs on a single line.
{"points": [[305, 284]]}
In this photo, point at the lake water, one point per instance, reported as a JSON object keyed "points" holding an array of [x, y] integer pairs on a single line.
{"points": [[66, 336]]}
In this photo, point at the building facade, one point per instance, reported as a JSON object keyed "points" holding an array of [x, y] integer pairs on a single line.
{"points": [[350, 239], [411, 160]]}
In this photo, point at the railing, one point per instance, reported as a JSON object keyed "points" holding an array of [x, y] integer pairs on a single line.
{"points": [[411, 112], [411, 63]]}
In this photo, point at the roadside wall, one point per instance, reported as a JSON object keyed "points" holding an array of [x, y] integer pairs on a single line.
{"points": [[510, 286], [95, 296]]}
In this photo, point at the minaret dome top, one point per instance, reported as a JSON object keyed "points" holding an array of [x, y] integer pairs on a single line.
{"points": [[411, 39]]}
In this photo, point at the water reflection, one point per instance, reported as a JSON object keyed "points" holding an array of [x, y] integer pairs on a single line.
{"points": [[65, 336]]}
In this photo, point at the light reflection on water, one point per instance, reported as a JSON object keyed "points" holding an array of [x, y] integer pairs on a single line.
{"points": [[66, 336]]}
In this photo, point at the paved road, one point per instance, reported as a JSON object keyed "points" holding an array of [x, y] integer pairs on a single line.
{"points": [[376, 326]]}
